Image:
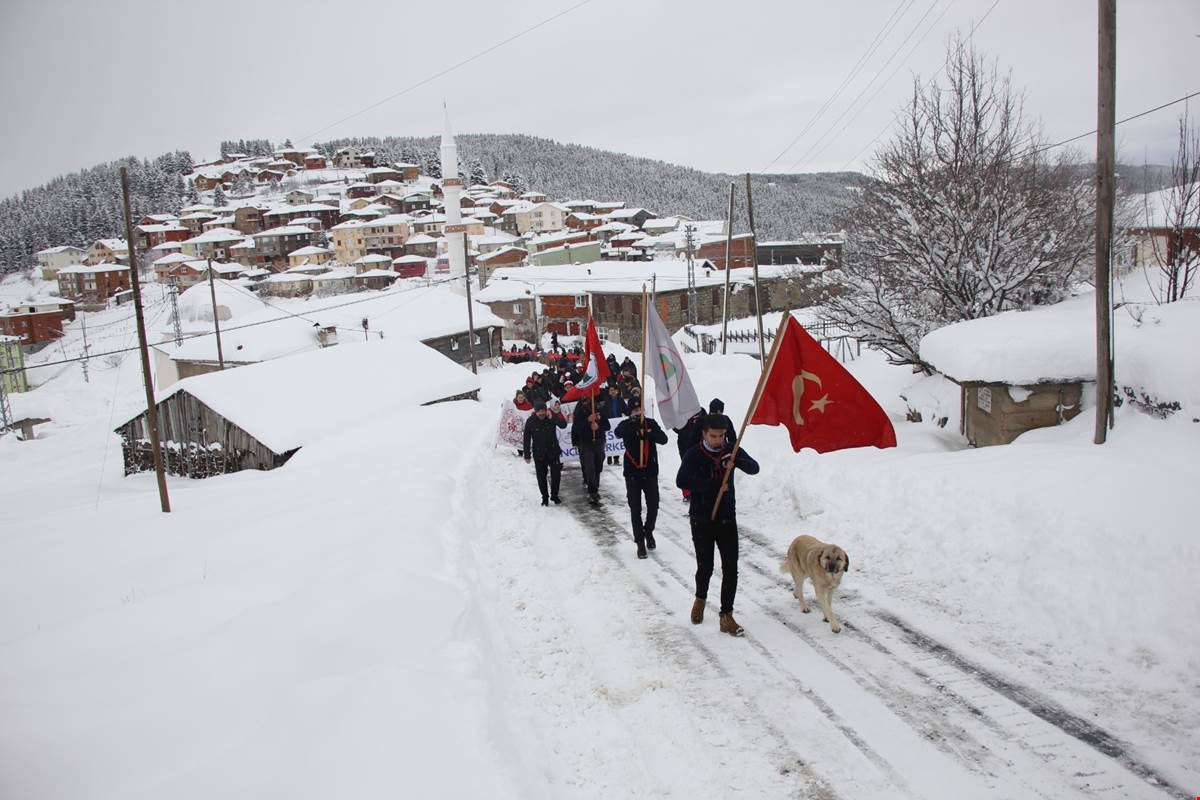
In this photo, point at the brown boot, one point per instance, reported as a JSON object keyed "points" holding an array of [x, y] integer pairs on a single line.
{"points": [[697, 611], [729, 625]]}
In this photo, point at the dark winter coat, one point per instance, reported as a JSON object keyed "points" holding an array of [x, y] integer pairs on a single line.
{"points": [[541, 436], [701, 472], [613, 407], [628, 366], [691, 433], [630, 431], [581, 429]]}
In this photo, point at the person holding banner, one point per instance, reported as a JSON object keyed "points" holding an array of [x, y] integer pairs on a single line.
{"points": [[642, 437], [541, 444], [707, 473]]}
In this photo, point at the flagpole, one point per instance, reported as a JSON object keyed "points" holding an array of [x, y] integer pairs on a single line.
{"points": [[586, 330], [762, 382], [645, 347]]}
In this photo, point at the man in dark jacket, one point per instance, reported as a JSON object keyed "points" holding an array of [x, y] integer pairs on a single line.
{"points": [[701, 472], [717, 408], [541, 443], [688, 437], [642, 437], [587, 433], [614, 406]]}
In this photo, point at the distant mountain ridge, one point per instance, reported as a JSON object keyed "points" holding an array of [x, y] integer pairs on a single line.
{"points": [[83, 206]]}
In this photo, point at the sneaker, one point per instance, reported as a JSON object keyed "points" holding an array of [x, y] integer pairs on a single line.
{"points": [[698, 611], [729, 624], [649, 540], [641, 549]]}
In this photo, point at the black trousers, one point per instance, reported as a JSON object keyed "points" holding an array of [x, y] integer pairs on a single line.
{"points": [[591, 458], [722, 534], [635, 487], [541, 466]]}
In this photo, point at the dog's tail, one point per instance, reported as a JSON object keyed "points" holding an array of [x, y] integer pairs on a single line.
{"points": [[784, 569]]}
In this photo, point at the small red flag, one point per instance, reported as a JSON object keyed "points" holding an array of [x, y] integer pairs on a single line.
{"points": [[595, 368], [817, 400]]}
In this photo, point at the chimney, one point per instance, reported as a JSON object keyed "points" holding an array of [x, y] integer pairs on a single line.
{"points": [[327, 336]]}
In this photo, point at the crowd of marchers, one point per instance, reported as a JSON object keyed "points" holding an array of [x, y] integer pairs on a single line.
{"points": [[707, 461]]}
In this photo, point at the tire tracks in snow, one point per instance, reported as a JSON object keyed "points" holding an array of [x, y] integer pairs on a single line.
{"points": [[1072, 725]]}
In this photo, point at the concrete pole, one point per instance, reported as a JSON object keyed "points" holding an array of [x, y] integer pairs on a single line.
{"points": [[1105, 169]]}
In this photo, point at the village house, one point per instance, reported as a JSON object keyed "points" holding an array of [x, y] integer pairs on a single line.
{"points": [[814, 250], [411, 266], [380, 174], [150, 235], [37, 321], [291, 155], [408, 172], [581, 253], [348, 242], [194, 221], [422, 245], [310, 254], [370, 262], [52, 259], [90, 286], [631, 216], [248, 219], [353, 158], [741, 251], [492, 260], [375, 279], [178, 269], [272, 246], [212, 244], [581, 220], [536, 217], [107, 251], [298, 197], [285, 284]]}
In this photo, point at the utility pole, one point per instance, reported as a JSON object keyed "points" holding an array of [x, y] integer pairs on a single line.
{"points": [[212, 291], [689, 245], [762, 353], [728, 244], [176, 323], [147, 380], [1105, 168], [84, 363], [470, 309]]}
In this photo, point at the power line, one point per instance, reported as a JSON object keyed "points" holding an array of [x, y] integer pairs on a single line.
{"points": [[927, 84], [234, 328], [1119, 122], [446, 71], [888, 25], [866, 88], [884, 85]]}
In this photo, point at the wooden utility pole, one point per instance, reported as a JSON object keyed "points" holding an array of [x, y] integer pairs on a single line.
{"points": [[1105, 169], [762, 354], [470, 310], [147, 380], [212, 291], [728, 246]]}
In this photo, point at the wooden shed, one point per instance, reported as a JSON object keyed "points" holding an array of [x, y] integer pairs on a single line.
{"points": [[1017, 371], [258, 416]]}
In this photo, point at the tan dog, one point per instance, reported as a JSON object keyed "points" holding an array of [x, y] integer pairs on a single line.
{"points": [[824, 565]]}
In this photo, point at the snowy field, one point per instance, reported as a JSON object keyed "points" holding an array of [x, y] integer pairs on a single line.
{"points": [[392, 613]]}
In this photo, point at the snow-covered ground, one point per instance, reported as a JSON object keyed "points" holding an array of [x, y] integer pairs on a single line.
{"points": [[392, 612]]}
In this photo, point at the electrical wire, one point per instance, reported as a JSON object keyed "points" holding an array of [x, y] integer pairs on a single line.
{"points": [[446, 71]]}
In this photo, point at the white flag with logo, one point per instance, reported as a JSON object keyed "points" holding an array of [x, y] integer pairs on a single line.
{"points": [[677, 400]]}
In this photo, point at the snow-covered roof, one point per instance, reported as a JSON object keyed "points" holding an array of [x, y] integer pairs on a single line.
{"points": [[410, 260], [217, 235], [600, 277], [421, 238], [233, 305], [378, 273], [85, 268], [62, 248], [1053, 343], [373, 258], [283, 230], [310, 250], [290, 402], [502, 251], [113, 244], [173, 258], [1161, 209]]}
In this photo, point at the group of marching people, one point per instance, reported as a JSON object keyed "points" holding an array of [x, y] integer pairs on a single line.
{"points": [[706, 445]]}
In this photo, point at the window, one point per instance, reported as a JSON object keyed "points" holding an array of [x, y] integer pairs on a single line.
{"points": [[454, 344], [683, 302], [581, 301], [716, 297], [516, 308]]}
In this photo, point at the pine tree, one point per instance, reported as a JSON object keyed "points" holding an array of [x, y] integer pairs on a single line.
{"points": [[219, 199]]}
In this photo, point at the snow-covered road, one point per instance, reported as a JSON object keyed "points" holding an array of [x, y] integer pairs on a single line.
{"points": [[632, 697]]}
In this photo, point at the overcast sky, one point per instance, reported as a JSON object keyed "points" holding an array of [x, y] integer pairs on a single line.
{"points": [[713, 85]]}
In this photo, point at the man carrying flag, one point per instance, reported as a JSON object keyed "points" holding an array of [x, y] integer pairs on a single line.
{"points": [[588, 425]]}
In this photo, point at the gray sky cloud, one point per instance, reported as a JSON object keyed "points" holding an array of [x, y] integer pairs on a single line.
{"points": [[712, 85]]}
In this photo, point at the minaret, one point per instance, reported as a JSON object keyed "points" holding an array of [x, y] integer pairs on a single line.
{"points": [[451, 191]]}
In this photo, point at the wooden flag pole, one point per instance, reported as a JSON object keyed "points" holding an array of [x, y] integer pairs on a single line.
{"points": [[645, 345], [762, 382], [728, 246]]}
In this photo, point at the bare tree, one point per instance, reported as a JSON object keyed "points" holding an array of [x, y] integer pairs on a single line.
{"points": [[966, 216], [1170, 237]]}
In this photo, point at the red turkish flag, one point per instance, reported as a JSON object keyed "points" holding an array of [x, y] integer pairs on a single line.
{"points": [[817, 400], [595, 368]]}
